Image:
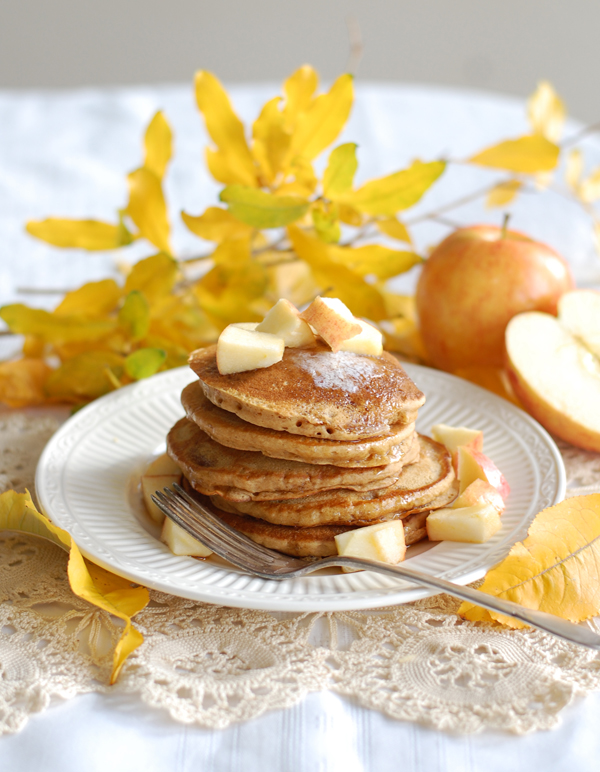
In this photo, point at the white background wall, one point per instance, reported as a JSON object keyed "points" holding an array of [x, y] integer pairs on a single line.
{"points": [[501, 45]]}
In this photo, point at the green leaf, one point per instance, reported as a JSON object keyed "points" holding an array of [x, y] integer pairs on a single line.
{"points": [[401, 190], [340, 170], [326, 225], [527, 155], [134, 316], [144, 362], [263, 210], [92, 235], [155, 276]]}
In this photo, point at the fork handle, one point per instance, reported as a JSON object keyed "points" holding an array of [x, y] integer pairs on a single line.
{"points": [[543, 621]]}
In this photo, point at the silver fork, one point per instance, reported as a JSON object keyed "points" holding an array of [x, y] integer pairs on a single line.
{"points": [[241, 551]]}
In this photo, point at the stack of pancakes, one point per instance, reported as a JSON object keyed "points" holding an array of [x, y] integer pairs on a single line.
{"points": [[315, 445]]}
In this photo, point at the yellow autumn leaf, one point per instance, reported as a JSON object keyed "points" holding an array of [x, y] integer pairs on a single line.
{"points": [[79, 234], [96, 298], [293, 280], [525, 155], [349, 215], [301, 179], [54, 328], [260, 209], [323, 120], [225, 128], [216, 224], [148, 209], [374, 259], [574, 169], [546, 112], [153, 276], [108, 592], [503, 193], [299, 89], [340, 171], [362, 299], [555, 569], [401, 190], [395, 229], [144, 362], [158, 145], [22, 382], [325, 224], [85, 377], [270, 140]]}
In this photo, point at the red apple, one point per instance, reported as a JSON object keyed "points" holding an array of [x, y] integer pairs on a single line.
{"points": [[474, 282], [473, 465]]}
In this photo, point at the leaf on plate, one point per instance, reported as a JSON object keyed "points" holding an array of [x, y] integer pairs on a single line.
{"points": [[158, 145], [79, 234], [148, 209], [528, 155], [134, 316], [22, 382], [556, 569], [108, 592], [546, 112], [262, 210], [144, 362]]}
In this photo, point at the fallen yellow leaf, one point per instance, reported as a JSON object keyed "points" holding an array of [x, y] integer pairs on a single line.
{"points": [[555, 569], [108, 592], [22, 382]]}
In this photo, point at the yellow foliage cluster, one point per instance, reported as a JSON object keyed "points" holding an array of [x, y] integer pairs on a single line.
{"points": [[278, 231]]}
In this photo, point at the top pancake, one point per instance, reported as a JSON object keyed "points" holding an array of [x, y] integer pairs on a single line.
{"points": [[315, 392]]}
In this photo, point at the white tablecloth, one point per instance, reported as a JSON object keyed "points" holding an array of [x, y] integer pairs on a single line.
{"points": [[67, 154]]}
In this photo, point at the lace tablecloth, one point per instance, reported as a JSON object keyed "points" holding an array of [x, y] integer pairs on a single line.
{"points": [[215, 666]]}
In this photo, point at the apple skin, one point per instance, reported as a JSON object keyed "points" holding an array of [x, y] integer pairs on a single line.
{"points": [[474, 282]]}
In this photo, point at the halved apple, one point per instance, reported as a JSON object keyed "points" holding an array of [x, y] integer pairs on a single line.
{"points": [[161, 473], [284, 321], [180, 542], [554, 370], [474, 525], [383, 542], [454, 436], [473, 465], [480, 492], [332, 320], [240, 350], [368, 341]]}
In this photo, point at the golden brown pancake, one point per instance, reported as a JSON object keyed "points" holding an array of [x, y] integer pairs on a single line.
{"points": [[239, 475], [315, 392], [228, 429], [417, 486]]}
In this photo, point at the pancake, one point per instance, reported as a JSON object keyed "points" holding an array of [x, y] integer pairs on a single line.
{"points": [[239, 475], [315, 392], [228, 429], [417, 486]]}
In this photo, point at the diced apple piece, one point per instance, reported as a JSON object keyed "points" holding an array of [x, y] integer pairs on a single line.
{"points": [[332, 320], [240, 350], [454, 436], [161, 473], [468, 524], [368, 341], [383, 542], [180, 542], [249, 326], [284, 321], [473, 465], [480, 492]]}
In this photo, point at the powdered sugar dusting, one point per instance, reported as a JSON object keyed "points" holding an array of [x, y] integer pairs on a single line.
{"points": [[340, 370]]}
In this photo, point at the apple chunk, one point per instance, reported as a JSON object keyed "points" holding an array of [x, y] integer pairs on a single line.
{"points": [[556, 376], [239, 350], [368, 341], [454, 436], [161, 473], [383, 542], [284, 321], [180, 542], [480, 492], [332, 320], [467, 524], [473, 465]]}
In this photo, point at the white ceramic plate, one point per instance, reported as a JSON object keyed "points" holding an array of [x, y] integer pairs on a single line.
{"points": [[87, 481]]}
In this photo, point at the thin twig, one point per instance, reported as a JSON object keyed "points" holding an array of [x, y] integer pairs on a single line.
{"points": [[357, 47], [8, 332], [574, 138], [452, 205], [41, 291]]}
